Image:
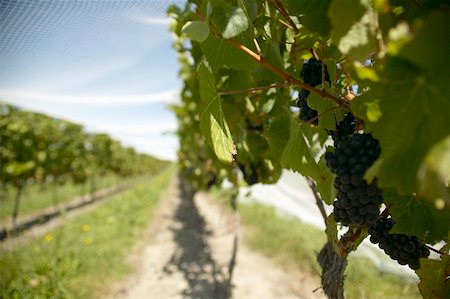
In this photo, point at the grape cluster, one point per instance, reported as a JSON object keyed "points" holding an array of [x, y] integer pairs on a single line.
{"points": [[312, 72], [251, 127], [357, 201], [344, 128], [400, 247], [250, 174], [306, 113], [312, 75]]}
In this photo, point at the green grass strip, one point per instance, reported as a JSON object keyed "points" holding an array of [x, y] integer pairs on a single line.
{"points": [[37, 197], [82, 257], [294, 243]]}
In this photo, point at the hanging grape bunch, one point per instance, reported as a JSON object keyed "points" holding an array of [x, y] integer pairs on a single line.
{"points": [[249, 173], [400, 247], [312, 75], [358, 202]]}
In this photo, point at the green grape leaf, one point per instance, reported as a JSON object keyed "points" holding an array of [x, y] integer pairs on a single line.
{"points": [[219, 53], [238, 80], [427, 95], [268, 105], [297, 154], [434, 173], [332, 233], [237, 23], [229, 21], [353, 29], [304, 40], [196, 30], [213, 124], [257, 144], [250, 7], [313, 14], [418, 217], [324, 180], [329, 113], [278, 134], [434, 277], [263, 75], [14, 168], [270, 52], [408, 112], [432, 32]]}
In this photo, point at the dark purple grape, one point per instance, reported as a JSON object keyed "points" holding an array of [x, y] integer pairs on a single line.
{"points": [[405, 249]]}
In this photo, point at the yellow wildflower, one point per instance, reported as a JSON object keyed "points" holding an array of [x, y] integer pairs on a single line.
{"points": [[86, 228]]}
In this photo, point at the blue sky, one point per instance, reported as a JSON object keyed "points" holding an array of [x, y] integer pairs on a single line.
{"points": [[108, 65]]}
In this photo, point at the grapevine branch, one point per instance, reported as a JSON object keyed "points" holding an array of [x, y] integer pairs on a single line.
{"points": [[285, 24], [254, 89], [280, 7], [347, 241], [284, 75], [321, 114], [319, 202]]}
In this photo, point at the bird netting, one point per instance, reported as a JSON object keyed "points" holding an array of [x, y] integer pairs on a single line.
{"points": [[37, 29]]}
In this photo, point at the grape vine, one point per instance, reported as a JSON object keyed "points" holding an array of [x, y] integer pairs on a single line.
{"points": [[38, 149], [363, 80]]}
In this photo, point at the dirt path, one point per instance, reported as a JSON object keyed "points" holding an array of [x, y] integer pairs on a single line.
{"points": [[186, 252]]}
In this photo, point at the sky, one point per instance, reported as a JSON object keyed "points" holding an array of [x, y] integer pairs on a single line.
{"points": [[106, 64]]}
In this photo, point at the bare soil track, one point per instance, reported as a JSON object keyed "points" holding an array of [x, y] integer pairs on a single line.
{"points": [[186, 252]]}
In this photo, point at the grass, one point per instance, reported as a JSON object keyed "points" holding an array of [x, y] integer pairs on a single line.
{"points": [[81, 258], [295, 244], [36, 197]]}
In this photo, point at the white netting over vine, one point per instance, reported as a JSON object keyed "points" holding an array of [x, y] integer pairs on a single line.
{"points": [[85, 60], [40, 29], [26, 25]]}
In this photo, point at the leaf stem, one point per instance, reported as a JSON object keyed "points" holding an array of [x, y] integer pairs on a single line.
{"points": [[385, 212], [280, 7], [321, 114], [258, 48], [314, 54], [285, 24], [435, 250]]}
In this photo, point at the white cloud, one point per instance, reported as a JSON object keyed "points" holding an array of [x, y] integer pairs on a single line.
{"points": [[73, 71], [89, 71], [163, 147], [142, 129], [23, 96]]}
